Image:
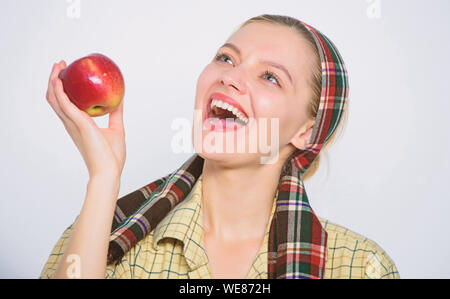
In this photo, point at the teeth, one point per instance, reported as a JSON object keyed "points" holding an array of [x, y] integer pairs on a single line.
{"points": [[232, 109]]}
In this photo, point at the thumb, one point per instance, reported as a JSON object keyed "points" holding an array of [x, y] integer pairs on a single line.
{"points": [[116, 118]]}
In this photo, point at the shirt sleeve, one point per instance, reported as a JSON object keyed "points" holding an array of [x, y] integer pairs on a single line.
{"points": [[119, 270], [56, 254], [378, 264], [125, 206]]}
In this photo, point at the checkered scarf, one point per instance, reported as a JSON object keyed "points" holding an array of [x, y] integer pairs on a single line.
{"points": [[297, 240]]}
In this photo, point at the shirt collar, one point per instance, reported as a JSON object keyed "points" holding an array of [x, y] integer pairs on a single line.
{"points": [[185, 223]]}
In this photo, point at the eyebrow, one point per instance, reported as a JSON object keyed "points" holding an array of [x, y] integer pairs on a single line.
{"points": [[271, 63]]}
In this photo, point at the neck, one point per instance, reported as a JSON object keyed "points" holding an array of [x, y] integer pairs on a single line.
{"points": [[237, 202]]}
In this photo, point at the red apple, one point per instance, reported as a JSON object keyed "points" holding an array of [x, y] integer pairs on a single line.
{"points": [[94, 84]]}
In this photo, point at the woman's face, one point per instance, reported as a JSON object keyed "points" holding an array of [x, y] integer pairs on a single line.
{"points": [[278, 98]]}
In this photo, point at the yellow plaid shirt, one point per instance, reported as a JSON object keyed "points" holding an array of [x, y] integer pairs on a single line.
{"points": [[174, 249]]}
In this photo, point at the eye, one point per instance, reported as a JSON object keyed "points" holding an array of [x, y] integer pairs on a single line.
{"points": [[271, 74], [220, 56]]}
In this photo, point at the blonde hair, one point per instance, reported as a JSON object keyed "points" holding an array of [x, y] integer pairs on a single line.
{"points": [[315, 81]]}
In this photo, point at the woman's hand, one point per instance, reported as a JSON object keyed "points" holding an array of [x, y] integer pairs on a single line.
{"points": [[103, 149]]}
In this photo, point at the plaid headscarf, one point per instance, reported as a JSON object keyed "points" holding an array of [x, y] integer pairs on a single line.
{"points": [[297, 240]]}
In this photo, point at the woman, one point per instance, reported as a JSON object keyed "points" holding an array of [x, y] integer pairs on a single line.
{"points": [[225, 214]]}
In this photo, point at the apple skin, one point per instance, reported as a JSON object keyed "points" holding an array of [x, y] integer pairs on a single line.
{"points": [[94, 84]]}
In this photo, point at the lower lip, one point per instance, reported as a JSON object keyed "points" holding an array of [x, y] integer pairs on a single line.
{"points": [[221, 125]]}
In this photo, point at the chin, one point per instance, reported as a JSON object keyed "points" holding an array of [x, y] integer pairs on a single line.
{"points": [[230, 160]]}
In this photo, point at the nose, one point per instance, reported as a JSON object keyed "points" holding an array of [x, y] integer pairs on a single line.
{"points": [[234, 78]]}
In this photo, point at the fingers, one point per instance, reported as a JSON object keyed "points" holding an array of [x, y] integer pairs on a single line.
{"points": [[69, 125], [72, 112], [51, 97], [63, 100], [116, 118]]}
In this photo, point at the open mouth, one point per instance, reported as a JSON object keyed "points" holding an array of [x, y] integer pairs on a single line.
{"points": [[223, 108]]}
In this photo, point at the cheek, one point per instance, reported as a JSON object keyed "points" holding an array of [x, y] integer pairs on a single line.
{"points": [[266, 104], [287, 115], [272, 106], [205, 80], [269, 105]]}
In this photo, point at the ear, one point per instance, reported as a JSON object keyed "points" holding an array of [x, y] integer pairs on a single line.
{"points": [[301, 139]]}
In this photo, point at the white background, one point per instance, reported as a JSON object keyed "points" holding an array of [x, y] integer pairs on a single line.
{"points": [[388, 175]]}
